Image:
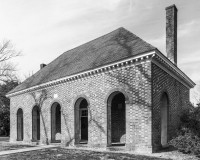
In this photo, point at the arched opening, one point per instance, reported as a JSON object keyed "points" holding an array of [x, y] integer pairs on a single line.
{"points": [[81, 121], [164, 119], [35, 123], [20, 125], [56, 123], [116, 119]]}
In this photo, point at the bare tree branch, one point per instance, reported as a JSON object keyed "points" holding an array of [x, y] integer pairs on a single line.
{"points": [[7, 69], [39, 99]]}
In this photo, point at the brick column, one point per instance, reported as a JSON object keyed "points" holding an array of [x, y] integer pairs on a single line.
{"points": [[127, 107]]}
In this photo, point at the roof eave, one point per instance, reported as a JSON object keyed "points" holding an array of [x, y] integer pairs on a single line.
{"points": [[184, 76], [189, 82], [43, 85]]}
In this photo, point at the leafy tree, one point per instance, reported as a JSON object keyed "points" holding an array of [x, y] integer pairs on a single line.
{"points": [[188, 135], [196, 93], [5, 106]]}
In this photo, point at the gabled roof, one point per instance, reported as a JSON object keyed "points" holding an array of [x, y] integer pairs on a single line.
{"points": [[112, 47]]}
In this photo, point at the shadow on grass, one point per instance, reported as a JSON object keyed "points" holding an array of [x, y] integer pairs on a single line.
{"points": [[73, 154], [5, 146]]}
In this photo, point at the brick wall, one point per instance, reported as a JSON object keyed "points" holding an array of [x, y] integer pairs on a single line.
{"points": [[134, 80], [178, 95]]}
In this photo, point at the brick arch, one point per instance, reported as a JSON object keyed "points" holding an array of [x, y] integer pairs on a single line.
{"points": [[120, 138], [164, 116], [127, 99], [56, 126], [165, 90], [78, 97], [16, 111], [78, 134], [34, 106], [56, 101], [20, 124], [35, 123]]}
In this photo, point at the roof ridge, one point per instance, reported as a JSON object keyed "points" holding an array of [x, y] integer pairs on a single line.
{"points": [[78, 47], [88, 42]]}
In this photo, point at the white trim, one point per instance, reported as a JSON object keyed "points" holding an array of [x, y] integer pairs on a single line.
{"points": [[64, 79], [151, 54], [165, 59], [170, 73]]}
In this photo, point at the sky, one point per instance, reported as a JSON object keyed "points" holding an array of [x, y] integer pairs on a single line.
{"points": [[44, 29]]}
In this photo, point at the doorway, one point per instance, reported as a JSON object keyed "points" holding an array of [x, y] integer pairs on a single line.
{"points": [[164, 119], [81, 121], [116, 119], [56, 123], [36, 123], [20, 125]]}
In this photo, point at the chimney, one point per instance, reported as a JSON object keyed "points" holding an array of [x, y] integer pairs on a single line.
{"points": [[171, 33], [42, 65]]}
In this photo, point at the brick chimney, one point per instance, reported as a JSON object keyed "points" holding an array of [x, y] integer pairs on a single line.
{"points": [[171, 33], [42, 65]]}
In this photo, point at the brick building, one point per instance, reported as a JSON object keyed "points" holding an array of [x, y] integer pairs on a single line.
{"points": [[116, 89]]}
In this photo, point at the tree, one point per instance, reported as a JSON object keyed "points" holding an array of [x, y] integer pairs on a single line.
{"points": [[7, 69], [196, 94], [188, 134], [39, 98], [5, 106], [8, 80]]}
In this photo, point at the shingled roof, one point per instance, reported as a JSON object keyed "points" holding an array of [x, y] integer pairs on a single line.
{"points": [[114, 46]]}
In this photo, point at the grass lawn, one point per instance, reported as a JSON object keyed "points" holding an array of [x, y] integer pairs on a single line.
{"points": [[79, 154], [73, 154], [4, 146]]}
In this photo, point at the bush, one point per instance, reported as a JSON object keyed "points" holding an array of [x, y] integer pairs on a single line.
{"points": [[188, 134]]}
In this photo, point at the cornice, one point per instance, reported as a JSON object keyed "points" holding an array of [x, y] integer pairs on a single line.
{"points": [[118, 64], [180, 76], [170, 72]]}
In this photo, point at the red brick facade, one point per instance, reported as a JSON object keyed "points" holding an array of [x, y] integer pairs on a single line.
{"points": [[141, 83], [133, 81], [178, 96]]}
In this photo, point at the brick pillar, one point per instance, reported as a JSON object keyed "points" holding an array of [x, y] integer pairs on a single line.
{"points": [[127, 125], [109, 125], [171, 33]]}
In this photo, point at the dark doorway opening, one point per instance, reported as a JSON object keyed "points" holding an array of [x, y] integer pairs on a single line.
{"points": [[164, 119], [20, 125], [116, 119], [36, 123], [81, 121], [56, 123]]}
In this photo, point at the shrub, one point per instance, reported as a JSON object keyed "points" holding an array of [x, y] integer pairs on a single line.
{"points": [[188, 134]]}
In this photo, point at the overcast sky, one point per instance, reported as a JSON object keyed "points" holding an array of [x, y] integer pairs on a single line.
{"points": [[44, 29]]}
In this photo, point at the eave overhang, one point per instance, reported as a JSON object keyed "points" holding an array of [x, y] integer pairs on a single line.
{"points": [[146, 56], [177, 73]]}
